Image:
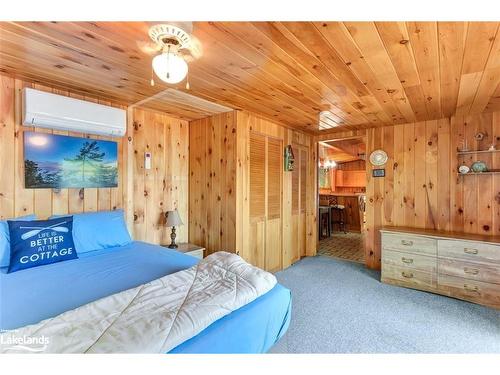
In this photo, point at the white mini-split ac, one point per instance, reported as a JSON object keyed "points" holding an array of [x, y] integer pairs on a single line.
{"points": [[47, 110]]}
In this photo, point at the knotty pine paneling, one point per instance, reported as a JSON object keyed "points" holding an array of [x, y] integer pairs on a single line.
{"points": [[212, 182], [220, 193], [165, 186], [15, 200], [249, 123], [144, 195], [366, 74], [422, 189]]}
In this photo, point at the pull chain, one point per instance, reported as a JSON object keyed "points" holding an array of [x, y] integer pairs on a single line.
{"points": [[168, 62]]}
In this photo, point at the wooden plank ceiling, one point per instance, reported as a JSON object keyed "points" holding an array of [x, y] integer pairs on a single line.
{"points": [[343, 150], [362, 74]]}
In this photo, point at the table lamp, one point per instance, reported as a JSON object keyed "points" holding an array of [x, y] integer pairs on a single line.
{"points": [[172, 220]]}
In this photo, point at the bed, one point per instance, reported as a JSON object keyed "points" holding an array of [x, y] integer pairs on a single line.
{"points": [[29, 296]]}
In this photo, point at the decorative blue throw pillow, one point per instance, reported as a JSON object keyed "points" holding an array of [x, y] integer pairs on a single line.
{"points": [[5, 239], [36, 243]]}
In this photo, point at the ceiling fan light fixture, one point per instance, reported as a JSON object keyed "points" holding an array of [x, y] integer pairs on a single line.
{"points": [[170, 67]]}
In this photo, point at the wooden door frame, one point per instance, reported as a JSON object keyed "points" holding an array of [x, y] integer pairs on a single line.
{"points": [[329, 139]]}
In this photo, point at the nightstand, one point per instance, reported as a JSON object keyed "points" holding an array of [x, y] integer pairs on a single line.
{"points": [[189, 249]]}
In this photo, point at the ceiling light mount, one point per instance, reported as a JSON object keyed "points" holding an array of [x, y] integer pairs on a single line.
{"points": [[165, 35]]}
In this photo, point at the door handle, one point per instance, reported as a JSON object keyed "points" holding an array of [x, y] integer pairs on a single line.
{"points": [[469, 288], [468, 250], [471, 271]]}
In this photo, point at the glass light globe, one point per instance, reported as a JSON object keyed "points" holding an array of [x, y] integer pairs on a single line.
{"points": [[170, 68]]}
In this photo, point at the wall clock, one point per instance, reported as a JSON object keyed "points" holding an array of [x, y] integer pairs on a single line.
{"points": [[378, 157]]}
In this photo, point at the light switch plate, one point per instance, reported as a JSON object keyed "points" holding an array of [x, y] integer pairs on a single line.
{"points": [[147, 160]]}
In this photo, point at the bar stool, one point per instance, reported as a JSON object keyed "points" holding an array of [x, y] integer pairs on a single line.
{"points": [[337, 215], [324, 221]]}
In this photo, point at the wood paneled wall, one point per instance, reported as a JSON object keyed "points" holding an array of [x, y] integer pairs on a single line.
{"points": [[144, 195], [15, 200], [219, 183], [212, 182], [422, 189], [248, 123], [165, 186]]}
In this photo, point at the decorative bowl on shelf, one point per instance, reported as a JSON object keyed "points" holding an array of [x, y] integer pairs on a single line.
{"points": [[479, 166], [463, 169]]}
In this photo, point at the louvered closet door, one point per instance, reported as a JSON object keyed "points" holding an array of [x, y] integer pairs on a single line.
{"points": [[296, 205], [273, 253], [303, 194], [299, 201], [257, 199], [266, 174]]}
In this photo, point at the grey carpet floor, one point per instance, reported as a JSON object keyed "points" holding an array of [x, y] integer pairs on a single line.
{"points": [[341, 307]]}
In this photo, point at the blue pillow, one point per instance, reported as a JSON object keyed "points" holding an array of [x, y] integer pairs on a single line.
{"points": [[99, 230], [35, 243], [5, 239]]}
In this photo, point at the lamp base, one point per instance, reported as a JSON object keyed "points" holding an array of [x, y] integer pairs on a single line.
{"points": [[173, 245]]}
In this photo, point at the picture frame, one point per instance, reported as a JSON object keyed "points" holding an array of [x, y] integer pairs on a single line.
{"points": [[53, 161]]}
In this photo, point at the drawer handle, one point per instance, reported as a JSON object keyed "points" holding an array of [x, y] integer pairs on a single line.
{"points": [[469, 288], [470, 251], [407, 243], [407, 260], [471, 271], [407, 275]]}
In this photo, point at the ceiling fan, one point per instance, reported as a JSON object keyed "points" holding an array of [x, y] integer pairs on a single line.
{"points": [[173, 47]]}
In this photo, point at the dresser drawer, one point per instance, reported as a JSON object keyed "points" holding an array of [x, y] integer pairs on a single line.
{"points": [[408, 277], [471, 290], [404, 242], [489, 273], [410, 260], [470, 251]]}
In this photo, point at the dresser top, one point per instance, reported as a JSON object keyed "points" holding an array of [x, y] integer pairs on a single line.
{"points": [[185, 247], [443, 234]]}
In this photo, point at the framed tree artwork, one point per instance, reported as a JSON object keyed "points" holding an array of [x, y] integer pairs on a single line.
{"points": [[59, 161]]}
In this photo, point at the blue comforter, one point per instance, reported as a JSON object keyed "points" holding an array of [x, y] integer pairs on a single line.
{"points": [[29, 296]]}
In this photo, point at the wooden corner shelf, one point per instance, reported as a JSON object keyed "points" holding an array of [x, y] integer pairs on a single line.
{"points": [[477, 173], [477, 152]]}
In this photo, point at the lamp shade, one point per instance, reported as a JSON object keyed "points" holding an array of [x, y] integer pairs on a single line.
{"points": [[173, 219], [170, 67]]}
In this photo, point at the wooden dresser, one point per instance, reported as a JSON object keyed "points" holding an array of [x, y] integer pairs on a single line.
{"points": [[459, 265]]}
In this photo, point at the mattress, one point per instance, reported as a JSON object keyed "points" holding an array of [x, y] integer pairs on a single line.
{"points": [[29, 296]]}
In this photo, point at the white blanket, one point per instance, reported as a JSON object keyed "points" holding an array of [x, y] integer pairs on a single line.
{"points": [[151, 318]]}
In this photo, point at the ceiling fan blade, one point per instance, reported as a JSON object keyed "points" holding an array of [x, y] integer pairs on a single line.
{"points": [[194, 50], [187, 26], [148, 48]]}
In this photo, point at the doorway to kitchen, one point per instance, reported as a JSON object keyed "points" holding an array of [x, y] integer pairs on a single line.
{"points": [[342, 198]]}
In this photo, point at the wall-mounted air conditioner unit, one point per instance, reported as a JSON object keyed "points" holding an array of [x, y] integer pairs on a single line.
{"points": [[46, 110]]}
